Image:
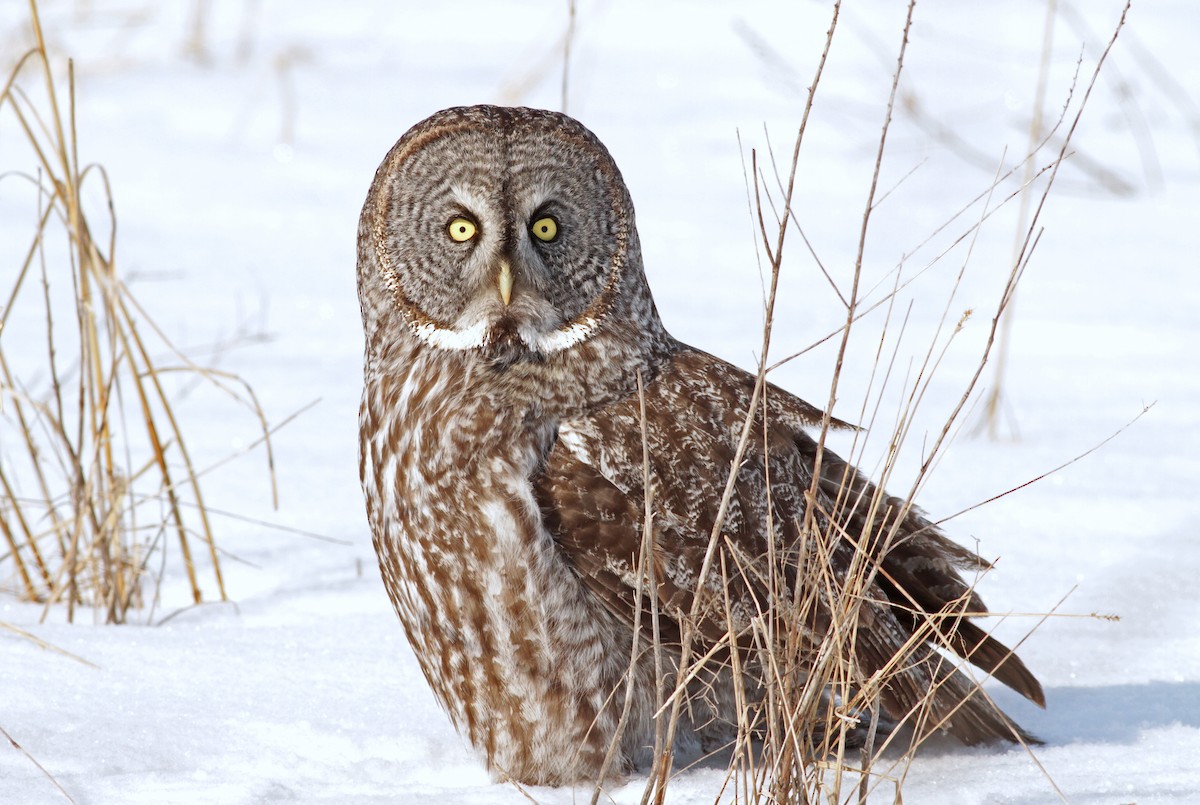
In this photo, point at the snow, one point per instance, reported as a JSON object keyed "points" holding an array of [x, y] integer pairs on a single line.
{"points": [[237, 182]]}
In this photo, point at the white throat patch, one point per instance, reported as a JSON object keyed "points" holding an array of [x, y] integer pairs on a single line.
{"points": [[476, 335]]}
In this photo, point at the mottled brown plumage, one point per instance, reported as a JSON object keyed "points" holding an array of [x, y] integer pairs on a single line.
{"points": [[502, 463]]}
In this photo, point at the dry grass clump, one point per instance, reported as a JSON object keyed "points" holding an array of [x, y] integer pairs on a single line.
{"points": [[95, 474], [809, 724]]}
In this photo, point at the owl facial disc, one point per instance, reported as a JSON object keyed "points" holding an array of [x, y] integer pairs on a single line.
{"points": [[503, 232]]}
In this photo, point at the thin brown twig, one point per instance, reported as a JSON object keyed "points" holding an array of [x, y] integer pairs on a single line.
{"points": [[644, 581], [775, 258], [35, 762], [1053, 471]]}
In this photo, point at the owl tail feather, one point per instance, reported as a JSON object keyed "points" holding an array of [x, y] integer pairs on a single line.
{"points": [[929, 693], [983, 651]]}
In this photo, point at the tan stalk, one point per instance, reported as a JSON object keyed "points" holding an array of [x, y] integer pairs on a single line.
{"points": [[78, 443], [815, 693], [775, 257], [994, 400]]}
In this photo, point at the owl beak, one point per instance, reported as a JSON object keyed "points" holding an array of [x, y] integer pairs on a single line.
{"points": [[505, 281]]}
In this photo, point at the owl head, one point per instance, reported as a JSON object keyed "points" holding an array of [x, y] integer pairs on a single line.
{"points": [[507, 233]]}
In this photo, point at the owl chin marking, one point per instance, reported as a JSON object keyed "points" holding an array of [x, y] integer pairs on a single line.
{"points": [[504, 346]]}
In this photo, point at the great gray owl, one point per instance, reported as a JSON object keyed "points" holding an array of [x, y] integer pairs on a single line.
{"points": [[507, 319]]}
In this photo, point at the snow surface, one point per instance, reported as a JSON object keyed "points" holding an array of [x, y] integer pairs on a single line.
{"points": [[238, 179]]}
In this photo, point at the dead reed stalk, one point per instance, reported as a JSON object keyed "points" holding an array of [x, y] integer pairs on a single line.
{"points": [[96, 476], [812, 733]]}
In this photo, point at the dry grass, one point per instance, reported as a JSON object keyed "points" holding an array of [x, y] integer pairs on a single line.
{"points": [[798, 742], [97, 479], [112, 480], [994, 403]]}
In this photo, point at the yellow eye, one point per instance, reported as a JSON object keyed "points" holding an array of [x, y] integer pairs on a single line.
{"points": [[545, 229], [461, 230]]}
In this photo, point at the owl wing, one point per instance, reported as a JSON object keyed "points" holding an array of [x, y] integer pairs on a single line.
{"points": [[593, 495]]}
